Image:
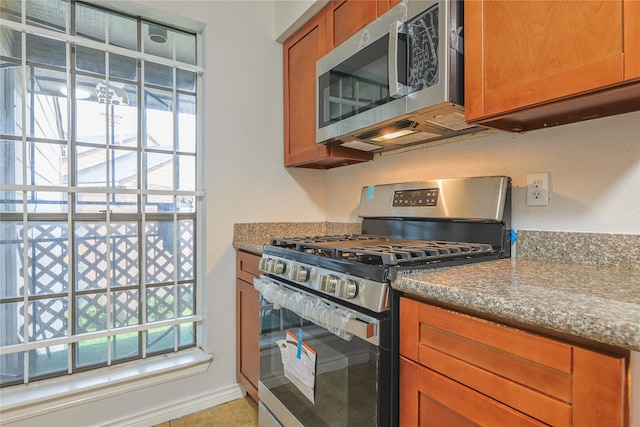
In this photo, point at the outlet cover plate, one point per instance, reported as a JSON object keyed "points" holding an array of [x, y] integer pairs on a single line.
{"points": [[538, 189]]}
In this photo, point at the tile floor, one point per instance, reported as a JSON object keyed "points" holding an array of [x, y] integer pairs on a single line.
{"points": [[237, 413]]}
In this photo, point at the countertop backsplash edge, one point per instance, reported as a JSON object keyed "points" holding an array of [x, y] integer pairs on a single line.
{"points": [[611, 250]]}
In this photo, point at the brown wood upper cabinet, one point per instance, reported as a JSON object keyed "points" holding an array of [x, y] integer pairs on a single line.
{"points": [[347, 17], [385, 5], [301, 51], [531, 64]]}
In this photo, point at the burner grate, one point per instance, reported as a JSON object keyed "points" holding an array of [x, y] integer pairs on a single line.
{"points": [[413, 253], [382, 251]]}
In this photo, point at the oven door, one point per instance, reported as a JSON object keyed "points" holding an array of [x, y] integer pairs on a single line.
{"points": [[330, 371]]}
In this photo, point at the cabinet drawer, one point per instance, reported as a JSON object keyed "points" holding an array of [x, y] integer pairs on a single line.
{"points": [[247, 266]]}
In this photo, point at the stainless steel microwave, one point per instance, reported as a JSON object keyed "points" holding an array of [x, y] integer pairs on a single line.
{"points": [[398, 81]]}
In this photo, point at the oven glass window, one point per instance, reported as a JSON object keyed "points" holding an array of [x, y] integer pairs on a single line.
{"points": [[346, 377], [356, 85]]}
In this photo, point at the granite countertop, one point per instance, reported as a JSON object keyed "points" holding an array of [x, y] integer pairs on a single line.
{"points": [[596, 303], [251, 237]]}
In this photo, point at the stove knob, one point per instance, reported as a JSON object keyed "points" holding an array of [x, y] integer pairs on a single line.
{"points": [[299, 273], [277, 267], [328, 283], [346, 289], [264, 264]]}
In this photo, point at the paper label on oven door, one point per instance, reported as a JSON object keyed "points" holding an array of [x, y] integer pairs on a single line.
{"points": [[299, 362]]}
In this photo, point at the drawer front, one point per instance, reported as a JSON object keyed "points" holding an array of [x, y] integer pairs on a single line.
{"points": [[247, 266]]}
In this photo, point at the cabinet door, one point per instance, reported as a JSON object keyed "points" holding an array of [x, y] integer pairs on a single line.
{"points": [[347, 17], [526, 52], [632, 39], [248, 339], [247, 323], [599, 389], [301, 52], [430, 399]]}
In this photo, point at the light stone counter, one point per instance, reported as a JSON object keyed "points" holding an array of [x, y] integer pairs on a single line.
{"points": [[596, 303], [251, 237]]}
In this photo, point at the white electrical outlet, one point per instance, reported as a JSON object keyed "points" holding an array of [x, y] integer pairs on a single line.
{"points": [[538, 189]]}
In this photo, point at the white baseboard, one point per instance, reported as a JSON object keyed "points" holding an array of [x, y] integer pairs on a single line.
{"points": [[179, 409]]}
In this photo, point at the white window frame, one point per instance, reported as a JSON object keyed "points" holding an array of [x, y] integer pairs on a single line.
{"points": [[147, 370]]}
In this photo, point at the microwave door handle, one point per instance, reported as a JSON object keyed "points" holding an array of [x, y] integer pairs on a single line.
{"points": [[396, 89]]}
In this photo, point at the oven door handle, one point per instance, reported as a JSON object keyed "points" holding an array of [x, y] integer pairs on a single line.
{"points": [[336, 319]]}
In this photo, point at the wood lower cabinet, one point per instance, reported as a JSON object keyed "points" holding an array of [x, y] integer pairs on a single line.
{"points": [[531, 64], [247, 323], [301, 51], [460, 370]]}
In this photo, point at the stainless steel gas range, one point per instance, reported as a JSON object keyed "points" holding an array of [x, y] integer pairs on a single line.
{"points": [[329, 338]]}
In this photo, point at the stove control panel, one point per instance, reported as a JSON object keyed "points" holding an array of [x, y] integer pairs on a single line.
{"points": [[357, 290], [413, 198]]}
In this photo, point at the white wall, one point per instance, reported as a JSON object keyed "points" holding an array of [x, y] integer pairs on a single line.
{"points": [[292, 14], [594, 166]]}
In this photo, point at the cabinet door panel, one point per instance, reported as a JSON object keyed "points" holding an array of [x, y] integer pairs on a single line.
{"points": [[599, 389], [247, 336], [347, 17], [247, 266], [526, 61], [441, 401], [536, 51], [247, 323], [631, 39], [301, 54]]}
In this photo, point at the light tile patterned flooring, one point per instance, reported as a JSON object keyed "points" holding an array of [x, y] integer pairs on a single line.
{"points": [[237, 413]]}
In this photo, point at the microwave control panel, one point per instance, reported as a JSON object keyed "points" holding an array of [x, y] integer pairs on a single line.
{"points": [[415, 198]]}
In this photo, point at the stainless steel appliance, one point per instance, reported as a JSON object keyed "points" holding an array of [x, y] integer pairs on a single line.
{"points": [[329, 340], [397, 82]]}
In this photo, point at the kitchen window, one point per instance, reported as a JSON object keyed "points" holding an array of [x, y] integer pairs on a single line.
{"points": [[98, 196]]}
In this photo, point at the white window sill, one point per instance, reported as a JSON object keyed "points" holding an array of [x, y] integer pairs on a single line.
{"points": [[25, 401]]}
